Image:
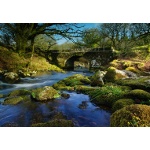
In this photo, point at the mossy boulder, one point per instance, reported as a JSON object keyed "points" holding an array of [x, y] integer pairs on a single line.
{"points": [[107, 95], [97, 78], [55, 123], [69, 83], [16, 100], [114, 74], [11, 77], [126, 63], [139, 94], [137, 83], [58, 120], [1, 95], [44, 94], [20, 92], [115, 63], [121, 103], [136, 115], [76, 79], [132, 69], [85, 89], [65, 95], [17, 96]]}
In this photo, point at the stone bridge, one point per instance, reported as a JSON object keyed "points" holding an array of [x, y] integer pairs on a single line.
{"points": [[87, 58]]}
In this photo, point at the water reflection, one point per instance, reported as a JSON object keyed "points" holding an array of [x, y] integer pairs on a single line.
{"points": [[77, 107]]}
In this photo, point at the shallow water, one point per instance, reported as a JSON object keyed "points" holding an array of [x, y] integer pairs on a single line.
{"points": [[77, 108]]}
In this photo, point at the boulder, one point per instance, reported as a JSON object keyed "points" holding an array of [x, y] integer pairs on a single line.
{"points": [[11, 77], [122, 103], [97, 78], [20, 92], [65, 95], [15, 100], [44, 94], [1, 95], [55, 123], [114, 74], [136, 115], [130, 74], [139, 94]]}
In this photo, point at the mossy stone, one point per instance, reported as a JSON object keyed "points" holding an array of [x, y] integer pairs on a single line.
{"points": [[137, 83], [121, 103], [76, 79], [70, 82], [45, 93], [15, 100], [1, 95], [19, 93], [107, 95], [132, 69], [136, 115], [114, 74], [55, 123], [139, 94]]}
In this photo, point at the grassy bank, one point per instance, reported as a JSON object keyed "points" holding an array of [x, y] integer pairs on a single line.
{"points": [[11, 61]]}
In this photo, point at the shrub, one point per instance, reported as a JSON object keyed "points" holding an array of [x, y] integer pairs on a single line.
{"points": [[136, 115]]}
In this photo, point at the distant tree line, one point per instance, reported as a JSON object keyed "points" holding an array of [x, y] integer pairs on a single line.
{"points": [[121, 36]]}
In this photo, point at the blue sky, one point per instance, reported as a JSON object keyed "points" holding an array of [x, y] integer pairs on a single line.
{"points": [[86, 26]]}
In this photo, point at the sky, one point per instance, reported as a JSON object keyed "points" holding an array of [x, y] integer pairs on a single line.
{"points": [[86, 26]]}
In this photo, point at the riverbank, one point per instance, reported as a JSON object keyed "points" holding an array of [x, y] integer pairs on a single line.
{"points": [[12, 62]]}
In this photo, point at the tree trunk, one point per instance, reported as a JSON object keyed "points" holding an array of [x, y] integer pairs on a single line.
{"points": [[32, 53], [21, 44]]}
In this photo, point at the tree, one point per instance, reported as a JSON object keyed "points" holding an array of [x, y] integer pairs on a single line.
{"points": [[90, 38], [21, 33], [44, 43]]}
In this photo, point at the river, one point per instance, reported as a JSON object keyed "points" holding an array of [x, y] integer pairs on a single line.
{"points": [[24, 114]]}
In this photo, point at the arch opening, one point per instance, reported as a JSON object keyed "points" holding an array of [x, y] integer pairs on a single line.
{"points": [[77, 63]]}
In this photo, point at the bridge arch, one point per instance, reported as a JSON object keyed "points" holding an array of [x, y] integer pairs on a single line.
{"points": [[76, 62]]}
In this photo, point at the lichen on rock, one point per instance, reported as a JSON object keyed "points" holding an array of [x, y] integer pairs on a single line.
{"points": [[45, 93]]}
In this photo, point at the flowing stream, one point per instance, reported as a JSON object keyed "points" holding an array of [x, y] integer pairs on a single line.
{"points": [[24, 114]]}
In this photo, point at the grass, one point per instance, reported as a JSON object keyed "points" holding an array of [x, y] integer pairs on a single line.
{"points": [[11, 61]]}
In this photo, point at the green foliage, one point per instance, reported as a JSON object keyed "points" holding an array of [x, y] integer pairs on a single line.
{"points": [[44, 42], [13, 62], [107, 95], [33, 95], [137, 83], [70, 82], [85, 89], [121, 103], [131, 116]]}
